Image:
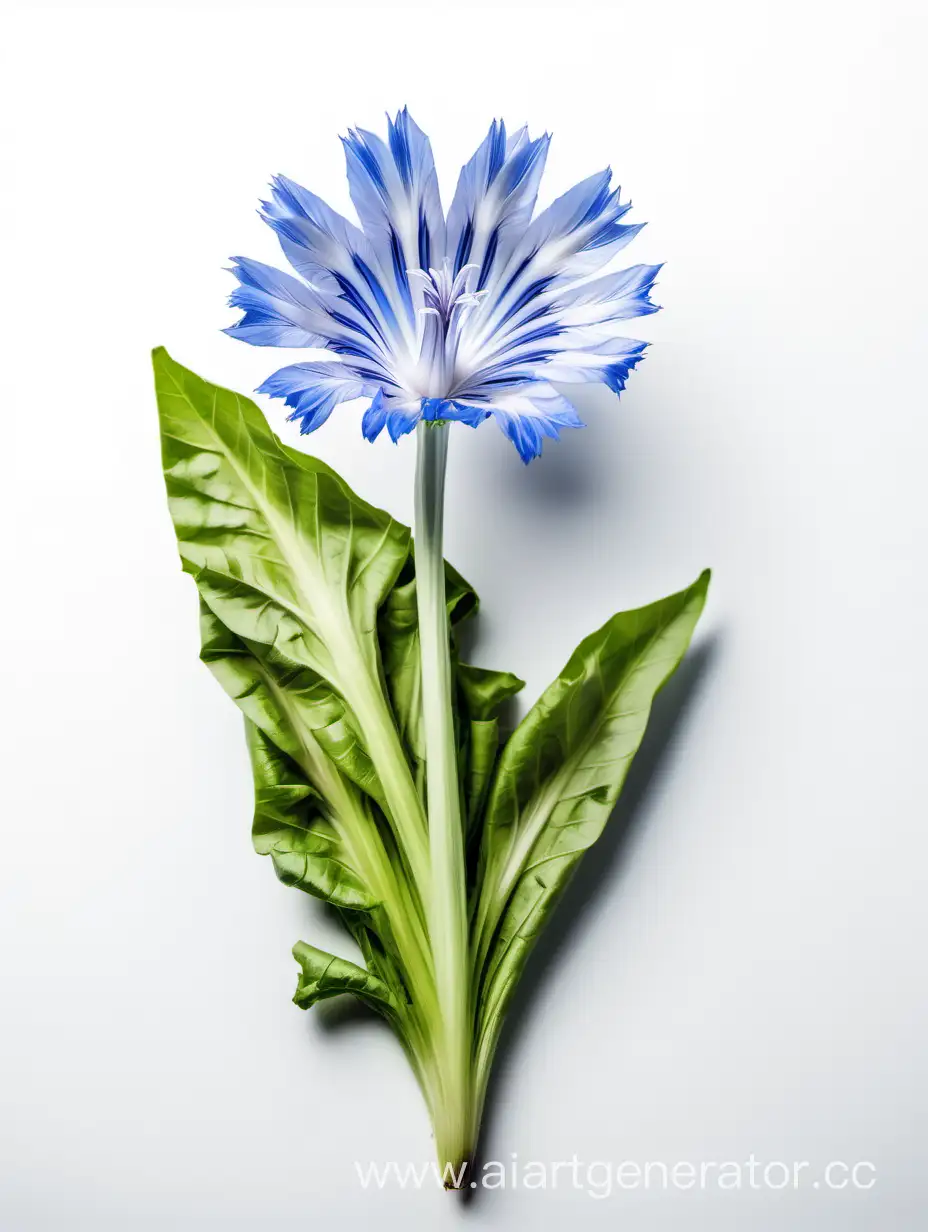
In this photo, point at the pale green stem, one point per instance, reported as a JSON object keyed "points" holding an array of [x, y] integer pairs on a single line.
{"points": [[447, 899]]}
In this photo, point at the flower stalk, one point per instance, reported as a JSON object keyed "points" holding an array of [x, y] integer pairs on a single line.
{"points": [[447, 896]]}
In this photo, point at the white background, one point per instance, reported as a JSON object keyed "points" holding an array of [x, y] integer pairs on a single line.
{"points": [[740, 967]]}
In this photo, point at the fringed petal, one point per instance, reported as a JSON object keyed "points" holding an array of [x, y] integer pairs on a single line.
{"points": [[313, 390], [494, 200], [374, 417], [530, 412], [338, 260], [279, 310], [394, 188]]}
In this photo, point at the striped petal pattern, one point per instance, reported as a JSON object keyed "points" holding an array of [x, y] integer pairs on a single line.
{"points": [[479, 315]]}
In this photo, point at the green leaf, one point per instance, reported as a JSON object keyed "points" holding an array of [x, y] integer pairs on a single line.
{"points": [[295, 565], [480, 692], [291, 826], [483, 694], [293, 706], [558, 780], [485, 691], [399, 640], [280, 522], [323, 975], [320, 831]]}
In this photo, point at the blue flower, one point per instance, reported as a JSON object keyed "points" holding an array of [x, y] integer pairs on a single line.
{"points": [[483, 313]]}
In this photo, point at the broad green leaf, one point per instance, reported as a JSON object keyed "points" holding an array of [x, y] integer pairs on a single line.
{"points": [[292, 705], [281, 522], [320, 830], [558, 780], [323, 975], [280, 717], [315, 824], [295, 565]]}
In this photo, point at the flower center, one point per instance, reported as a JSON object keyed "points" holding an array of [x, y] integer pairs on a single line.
{"points": [[446, 300], [443, 293]]}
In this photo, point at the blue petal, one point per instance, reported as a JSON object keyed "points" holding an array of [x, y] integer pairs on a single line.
{"points": [[394, 188], [523, 433], [578, 211], [402, 418], [399, 424], [433, 409], [473, 416], [279, 310], [374, 417], [618, 297], [338, 259], [313, 390], [445, 408], [314, 414], [572, 238], [610, 362], [529, 412], [616, 374], [494, 199]]}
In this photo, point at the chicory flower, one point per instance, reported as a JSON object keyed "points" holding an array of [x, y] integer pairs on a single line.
{"points": [[485, 312]]}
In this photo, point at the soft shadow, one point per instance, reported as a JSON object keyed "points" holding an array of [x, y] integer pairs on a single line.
{"points": [[344, 1013], [574, 473], [666, 724]]}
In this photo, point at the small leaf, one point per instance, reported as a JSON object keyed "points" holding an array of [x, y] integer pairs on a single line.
{"points": [[485, 691], [557, 783], [322, 975]]}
